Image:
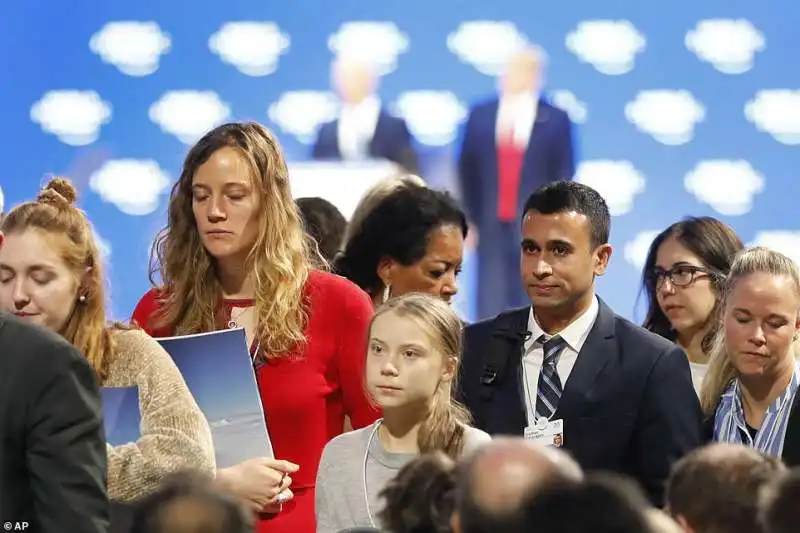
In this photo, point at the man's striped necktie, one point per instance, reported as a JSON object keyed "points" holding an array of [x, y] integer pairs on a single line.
{"points": [[548, 392]]}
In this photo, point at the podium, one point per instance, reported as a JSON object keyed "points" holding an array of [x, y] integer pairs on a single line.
{"points": [[341, 183]]}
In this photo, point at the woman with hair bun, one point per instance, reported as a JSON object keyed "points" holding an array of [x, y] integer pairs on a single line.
{"points": [[51, 275]]}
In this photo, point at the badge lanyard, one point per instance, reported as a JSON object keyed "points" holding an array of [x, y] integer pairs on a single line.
{"points": [[530, 400], [364, 469]]}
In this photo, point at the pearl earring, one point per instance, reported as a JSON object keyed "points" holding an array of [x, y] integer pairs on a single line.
{"points": [[82, 298]]}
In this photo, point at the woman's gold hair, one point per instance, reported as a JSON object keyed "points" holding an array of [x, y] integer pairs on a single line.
{"points": [[279, 260], [445, 425], [54, 214], [720, 370]]}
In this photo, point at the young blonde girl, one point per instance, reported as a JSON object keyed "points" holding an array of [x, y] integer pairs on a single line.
{"points": [[412, 359]]}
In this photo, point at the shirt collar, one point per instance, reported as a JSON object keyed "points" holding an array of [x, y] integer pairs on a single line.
{"points": [[367, 107], [574, 334], [519, 100], [735, 394]]}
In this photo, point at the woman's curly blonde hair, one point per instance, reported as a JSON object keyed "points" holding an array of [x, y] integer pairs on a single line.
{"points": [[279, 260]]}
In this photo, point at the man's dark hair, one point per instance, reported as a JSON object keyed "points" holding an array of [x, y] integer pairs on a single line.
{"points": [[399, 227], [603, 503], [719, 492], [780, 511], [421, 498], [186, 503], [325, 223], [563, 196]]}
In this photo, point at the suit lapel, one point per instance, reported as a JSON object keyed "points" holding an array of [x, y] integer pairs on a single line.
{"points": [[334, 133], [791, 442], [508, 411], [375, 140], [593, 357], [539, 127]]}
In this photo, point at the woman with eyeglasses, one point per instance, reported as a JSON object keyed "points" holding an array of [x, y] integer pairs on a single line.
{"points": [[684, 271]]}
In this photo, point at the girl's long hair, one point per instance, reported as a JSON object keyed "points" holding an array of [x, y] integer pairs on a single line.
{"points": [[447, 420]]}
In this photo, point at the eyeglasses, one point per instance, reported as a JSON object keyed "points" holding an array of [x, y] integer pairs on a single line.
{"points": [[680, 276]]}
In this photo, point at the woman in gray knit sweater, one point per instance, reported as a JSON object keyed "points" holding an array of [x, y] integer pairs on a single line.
{"points": [[412, 360], [51, 275]]}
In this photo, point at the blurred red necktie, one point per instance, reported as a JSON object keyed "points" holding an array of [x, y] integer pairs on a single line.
{"points": [[510, 158]]}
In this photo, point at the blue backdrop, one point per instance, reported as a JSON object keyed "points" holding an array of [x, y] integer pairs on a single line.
{"points": [[683, 108]]}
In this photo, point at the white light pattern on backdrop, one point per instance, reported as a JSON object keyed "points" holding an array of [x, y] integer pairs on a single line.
{"points": [[135, 48], [189, 114], [74, 116], [252, 47], [131, 185], [379, 43], [618, 181], [666, 117], [610, 46], [729, 45]]}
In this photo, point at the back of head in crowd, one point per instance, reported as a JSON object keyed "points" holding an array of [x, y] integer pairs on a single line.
{"points": [[51, 271], [780, 512], [716, 489], [421, 498], [760, 313], [376, 195], [324, 223], [186, 504], [494, 484], [412, 361], [413, 241], [222, 221], [565, 230], [683, 277], [601, 504]]}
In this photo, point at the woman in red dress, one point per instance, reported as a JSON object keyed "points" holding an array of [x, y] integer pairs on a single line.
{"points": [[234, 254]]}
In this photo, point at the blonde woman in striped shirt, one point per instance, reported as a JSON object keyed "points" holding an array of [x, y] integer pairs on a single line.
{"points": [[751, 390]]}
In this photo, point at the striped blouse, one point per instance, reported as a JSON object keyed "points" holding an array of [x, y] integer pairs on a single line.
{"points": [[730, 425]]}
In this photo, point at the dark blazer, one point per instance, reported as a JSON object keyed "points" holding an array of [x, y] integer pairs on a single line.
{"points": [[550, 157], [791, 441], [628, 406], [391, 141], [52, 440]]}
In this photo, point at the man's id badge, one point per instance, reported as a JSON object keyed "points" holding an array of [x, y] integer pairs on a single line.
{"points": [[546, 433]]}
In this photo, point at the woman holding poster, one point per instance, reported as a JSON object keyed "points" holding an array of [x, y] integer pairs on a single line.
{"points": [[51, 275], [234, 254]]}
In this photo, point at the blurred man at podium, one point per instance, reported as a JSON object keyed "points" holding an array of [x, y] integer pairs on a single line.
{"points": [[364, 129], [512, 145]]}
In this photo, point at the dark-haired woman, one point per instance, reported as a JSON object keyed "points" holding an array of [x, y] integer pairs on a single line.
{"points": [[412, 241], [685, 268]]}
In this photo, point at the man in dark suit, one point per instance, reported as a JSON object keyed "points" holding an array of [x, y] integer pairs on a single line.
{"points": [[567, 371], [513, 143], [364, 130], [52, 442]]}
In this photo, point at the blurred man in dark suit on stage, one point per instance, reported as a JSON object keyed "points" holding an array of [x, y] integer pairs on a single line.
{"points": [[512, 145], [364, 129], [52, 441]]}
